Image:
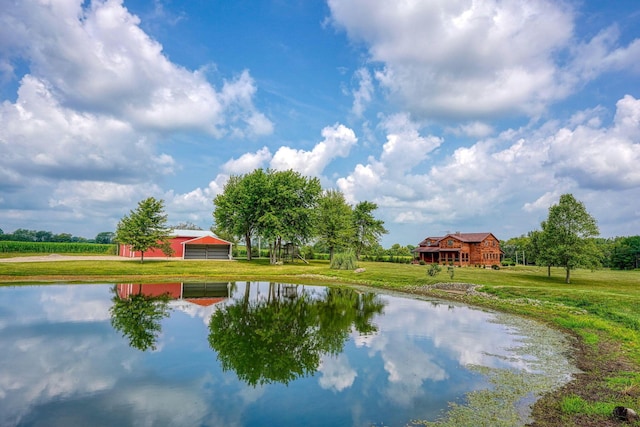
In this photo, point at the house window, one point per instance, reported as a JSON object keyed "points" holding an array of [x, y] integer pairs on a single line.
{"points": [[450, 242]]}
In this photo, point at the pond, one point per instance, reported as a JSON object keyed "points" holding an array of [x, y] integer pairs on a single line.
{"points": [[263, 354]]}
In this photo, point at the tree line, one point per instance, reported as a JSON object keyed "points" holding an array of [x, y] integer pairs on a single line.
{"points": [[619, 253], [24, 235], [286, 207], [278, 207]]}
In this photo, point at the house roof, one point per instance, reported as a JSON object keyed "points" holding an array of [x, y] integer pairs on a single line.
{"points": [[469, 237], [424, 242], [427, 249], [206, 240], [463, 237]]}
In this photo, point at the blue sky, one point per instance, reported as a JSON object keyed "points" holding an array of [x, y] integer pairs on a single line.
{"points": [[450, 115]]}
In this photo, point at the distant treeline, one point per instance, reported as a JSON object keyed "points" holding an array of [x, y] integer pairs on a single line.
{"points": [[620, 253], [24, 235], [57, 247]]}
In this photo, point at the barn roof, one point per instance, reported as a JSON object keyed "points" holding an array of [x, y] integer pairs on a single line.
{"points": [[190, 233], [205, 302], [206, 240]]}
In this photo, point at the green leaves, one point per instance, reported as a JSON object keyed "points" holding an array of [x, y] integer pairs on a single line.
{"points": [[284, 206], [367, 229], [334, 226], [567, 236], [138, 318], [284, 337], [276, 205], [145, 228]]}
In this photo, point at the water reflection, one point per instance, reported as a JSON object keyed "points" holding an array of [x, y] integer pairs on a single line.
{"points": [[283, 336], [62, 362], [138, 309], [137, 316]]}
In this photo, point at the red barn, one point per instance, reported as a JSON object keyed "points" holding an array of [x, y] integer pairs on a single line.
{"points": [[203, 294], [187, 244]]}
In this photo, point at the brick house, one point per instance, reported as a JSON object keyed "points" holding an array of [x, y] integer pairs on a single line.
{"points": [[461, 249]]}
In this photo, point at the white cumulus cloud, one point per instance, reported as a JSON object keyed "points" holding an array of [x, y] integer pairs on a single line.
{"points": [[338, 141]]}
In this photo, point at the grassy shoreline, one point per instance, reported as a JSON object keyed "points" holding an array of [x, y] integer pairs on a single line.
{"points": [[599, 307]]}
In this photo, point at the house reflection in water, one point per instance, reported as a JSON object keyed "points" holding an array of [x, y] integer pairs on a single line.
{"points": [[203, 294]]}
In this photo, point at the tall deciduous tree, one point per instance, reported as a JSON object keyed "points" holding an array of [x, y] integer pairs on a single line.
{"points": [[275, 205], [567, 236], [239, 207], [366, 229], [145, 228], [334, 226], [287, 212]]}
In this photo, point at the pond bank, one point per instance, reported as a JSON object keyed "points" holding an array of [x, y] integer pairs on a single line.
{"points": [[597, 362]]}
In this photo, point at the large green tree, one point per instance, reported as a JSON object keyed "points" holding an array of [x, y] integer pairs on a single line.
{"points": [[145, 228], [241, 204], [567, 236], [367, 230], [334, 227], [288, 207]]}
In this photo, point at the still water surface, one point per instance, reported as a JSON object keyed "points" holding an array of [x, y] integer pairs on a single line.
{"points": [[243, 354]]}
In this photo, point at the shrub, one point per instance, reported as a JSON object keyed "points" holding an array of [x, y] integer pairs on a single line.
{"points": [[451, 270], [344, 261], [434, 269], [495, 267]]}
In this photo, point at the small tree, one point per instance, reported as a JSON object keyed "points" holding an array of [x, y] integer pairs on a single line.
{"points": [[366, 229], [145, 228], [567, 236], [333, 221]]}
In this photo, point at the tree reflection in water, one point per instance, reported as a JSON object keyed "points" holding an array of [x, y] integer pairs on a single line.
{"points": [[283, 337], [137, 316]]}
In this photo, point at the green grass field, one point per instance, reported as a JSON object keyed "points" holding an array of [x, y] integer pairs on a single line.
{"points": [[601, 307]]}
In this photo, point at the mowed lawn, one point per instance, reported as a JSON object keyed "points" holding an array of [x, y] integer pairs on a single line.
{"points": [[602, 307], [603, 300]]}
